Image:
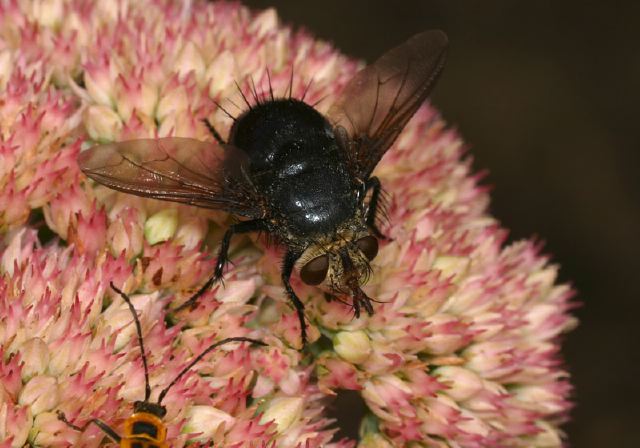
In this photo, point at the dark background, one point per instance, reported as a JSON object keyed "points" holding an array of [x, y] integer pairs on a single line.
{"points": [[546, 94]]}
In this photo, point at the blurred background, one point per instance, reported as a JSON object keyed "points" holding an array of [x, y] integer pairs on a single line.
{"points": [[547, 95]]}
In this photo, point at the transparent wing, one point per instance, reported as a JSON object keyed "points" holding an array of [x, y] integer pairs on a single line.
{"points": [[377, 103], [176, 169]]}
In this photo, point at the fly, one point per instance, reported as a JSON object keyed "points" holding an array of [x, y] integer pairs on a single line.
{"points": [[288, 171]]}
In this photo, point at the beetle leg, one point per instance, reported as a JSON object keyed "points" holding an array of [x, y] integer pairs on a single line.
{"points": [[373, 183], [254, 225], [288, 262], [99, 423]]}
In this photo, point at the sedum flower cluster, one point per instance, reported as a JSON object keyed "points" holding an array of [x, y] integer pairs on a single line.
{"points": [[462, 351]]}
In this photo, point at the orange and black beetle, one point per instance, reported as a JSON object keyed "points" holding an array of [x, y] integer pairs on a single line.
{"points": [[145, 428]]}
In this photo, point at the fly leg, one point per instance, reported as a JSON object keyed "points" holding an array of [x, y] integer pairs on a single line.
{"points": [[223, 256], [99, 423], [288, 262], [373, 183]]}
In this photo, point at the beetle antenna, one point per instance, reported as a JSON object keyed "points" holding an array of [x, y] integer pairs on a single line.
{"points": [[202, 355], [147, 387]]}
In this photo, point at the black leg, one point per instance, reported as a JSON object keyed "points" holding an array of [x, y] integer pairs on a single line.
{"points": [[356, 308], [213, 131], [288, 262], [99, 423], [373, 183], [223, 256]]}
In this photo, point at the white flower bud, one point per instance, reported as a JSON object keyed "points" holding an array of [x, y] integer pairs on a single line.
{"points": [[6, 67], [40, 393], [283, 411], [192, 232], [189, 60], [374, 440], [176, 101], [352, 346], [206, 420], [221, 73], [102, 123], [548, 437], [265, 22], [142, 99], [161, 226], [47, 12], [454, 267], [35, 355], [100, 84], [462, 383]]}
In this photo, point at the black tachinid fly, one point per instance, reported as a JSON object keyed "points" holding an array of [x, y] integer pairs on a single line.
{"points": [[291, 172]]}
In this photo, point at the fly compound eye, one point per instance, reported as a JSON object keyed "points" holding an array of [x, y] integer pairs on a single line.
{"points": [[369, 246], [314, 272]]}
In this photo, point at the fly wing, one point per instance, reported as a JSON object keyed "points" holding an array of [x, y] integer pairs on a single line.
{"points": [[176, 169], [377, 103]]}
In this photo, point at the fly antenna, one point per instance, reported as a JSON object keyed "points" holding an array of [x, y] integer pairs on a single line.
{"points": [[202, 355], [147, 388]]}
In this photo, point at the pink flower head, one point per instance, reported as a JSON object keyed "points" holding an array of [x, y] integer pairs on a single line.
{"points": [[462, 349]]}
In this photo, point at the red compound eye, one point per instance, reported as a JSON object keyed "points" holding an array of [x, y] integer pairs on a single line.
{"points": [[314, 272], [369, 246]]}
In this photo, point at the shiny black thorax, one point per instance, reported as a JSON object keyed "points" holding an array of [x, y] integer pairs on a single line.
{"points": [[298, 166]]}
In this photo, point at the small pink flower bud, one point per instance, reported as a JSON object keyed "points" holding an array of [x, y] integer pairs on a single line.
{"points": [[15, 423]]}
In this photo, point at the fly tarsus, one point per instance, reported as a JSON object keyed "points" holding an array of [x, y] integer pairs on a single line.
{"points": [[254, 225], [288, 262]]}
